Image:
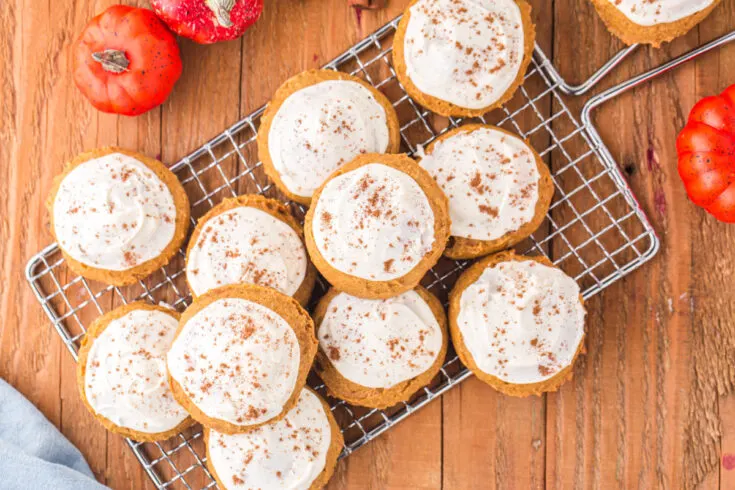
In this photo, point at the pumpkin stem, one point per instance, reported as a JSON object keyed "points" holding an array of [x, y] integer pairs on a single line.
{"points": [[221, 10], [112, 60]]}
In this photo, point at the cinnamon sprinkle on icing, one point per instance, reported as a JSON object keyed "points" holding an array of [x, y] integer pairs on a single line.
{"points": [[124, 381], [467, 52], [236, 360], [522, 321], [320, 127], [491, 179], [380, 343], [289, 453], [113, 213], [373, 222], [247, 245], [653, 12]]}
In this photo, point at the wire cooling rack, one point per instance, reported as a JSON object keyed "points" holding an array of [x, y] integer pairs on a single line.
{"points": [[595, 229]]}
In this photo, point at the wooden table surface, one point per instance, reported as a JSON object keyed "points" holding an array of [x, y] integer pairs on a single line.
{"points": [[648, 407]]}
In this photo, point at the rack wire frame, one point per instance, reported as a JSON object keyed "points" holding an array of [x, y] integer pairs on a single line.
{"points": [[595, 231]]}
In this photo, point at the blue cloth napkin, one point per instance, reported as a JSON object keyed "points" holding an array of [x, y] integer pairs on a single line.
{"points": [[33, 453]]}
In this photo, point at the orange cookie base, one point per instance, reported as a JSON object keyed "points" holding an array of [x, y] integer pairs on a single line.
{"points": [[446, 108], [141, 271], [93, 332], [285, 306], [340, 387], [521, 390], [365, 288], [296, 83]]}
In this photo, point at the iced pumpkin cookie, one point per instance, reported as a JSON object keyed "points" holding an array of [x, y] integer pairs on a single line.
{"points": [[299, 451], [463, 57], [318, 121], [498, 187], [652, 21], [122, 376], [241, 356], [118, 215], [517, 323], [250, 239], [378, 352], [377, 225]]}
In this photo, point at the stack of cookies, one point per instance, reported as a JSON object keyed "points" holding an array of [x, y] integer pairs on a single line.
{"points": [[237, 359]]}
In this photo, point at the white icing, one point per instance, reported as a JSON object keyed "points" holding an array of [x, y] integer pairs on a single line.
{"points": [[374, 222], [237, 361], [653, 12], [467, 52], [380, 343], [522, 321], [322, 126], [125, 379], [287, 454], [246, 245], [490, 178], [113, 213]]}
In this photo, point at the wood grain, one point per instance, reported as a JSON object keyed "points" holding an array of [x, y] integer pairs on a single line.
{"points": [[649, 404], [713, 332]]}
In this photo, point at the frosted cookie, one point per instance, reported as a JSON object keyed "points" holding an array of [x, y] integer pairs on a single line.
{"points": [[117, 215], [250, 239], [121, 372], [517, 323], [498, 187], [652, 21], [378, 352], [298, 452], [377, 225], [240, 357], [463, 57], [318, 121]]}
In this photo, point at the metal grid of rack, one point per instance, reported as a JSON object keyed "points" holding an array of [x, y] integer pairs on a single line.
{"points": [[595, 231]]}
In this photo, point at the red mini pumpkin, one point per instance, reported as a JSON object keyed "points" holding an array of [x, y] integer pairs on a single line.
{"points": [[126, 61], [208, 21], [706, 149]]}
